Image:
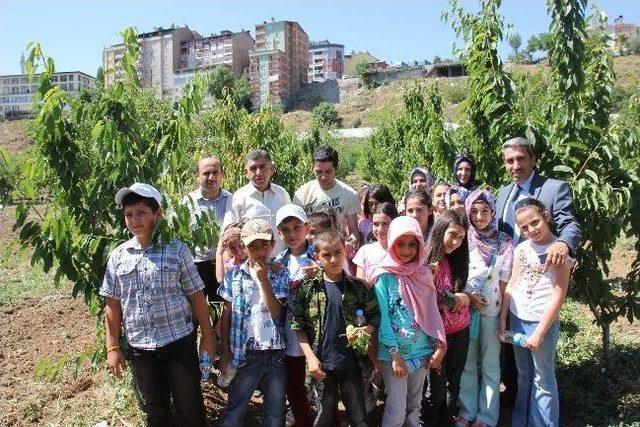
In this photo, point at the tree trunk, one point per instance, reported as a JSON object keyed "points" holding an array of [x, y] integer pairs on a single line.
{"points": [[606, 343]]}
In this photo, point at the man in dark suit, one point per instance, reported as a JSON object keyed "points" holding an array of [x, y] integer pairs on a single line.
{"points": [[520, 161]]}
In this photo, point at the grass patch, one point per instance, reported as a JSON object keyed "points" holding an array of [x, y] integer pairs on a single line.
{"points": [[16, 285], [589, 393]]}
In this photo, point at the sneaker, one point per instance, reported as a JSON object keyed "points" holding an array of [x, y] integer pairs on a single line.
{"points": [[461, 422], [289, 418]]}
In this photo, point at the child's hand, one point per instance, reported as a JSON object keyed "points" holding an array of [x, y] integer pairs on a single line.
{"points": [[225, 361], [208, 344], [261, 272], [461, 301], [315, 369], [476, 302], [398, 367], [502, 328], [534, 342], [435, 362], [310, 270], [116, 362]]}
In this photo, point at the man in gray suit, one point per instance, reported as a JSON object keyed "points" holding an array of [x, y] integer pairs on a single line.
{"points": [[520, 162]]}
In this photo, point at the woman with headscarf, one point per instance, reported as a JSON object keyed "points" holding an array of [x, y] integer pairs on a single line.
{"points": [[412, 339], [419, 179], [464, 172], [490, 259]]}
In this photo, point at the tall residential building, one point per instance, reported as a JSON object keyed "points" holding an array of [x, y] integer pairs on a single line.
{"points": [[279, 64], [159, 57], [16, 92], [326, 61]]}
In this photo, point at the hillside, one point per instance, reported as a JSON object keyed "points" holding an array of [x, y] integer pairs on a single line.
{"points": [[353, 59]]}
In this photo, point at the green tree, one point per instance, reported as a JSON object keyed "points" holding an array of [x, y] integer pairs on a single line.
{"points": [[364, 73], [515, 41], [222, 79], [538, 43], [325, 115]]}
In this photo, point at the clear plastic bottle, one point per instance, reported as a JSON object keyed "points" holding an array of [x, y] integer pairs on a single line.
{"points": [[205, 366], [361, 319], [514, 338]]}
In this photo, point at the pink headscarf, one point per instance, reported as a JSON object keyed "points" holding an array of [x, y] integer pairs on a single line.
{"points": [[415, 280]]}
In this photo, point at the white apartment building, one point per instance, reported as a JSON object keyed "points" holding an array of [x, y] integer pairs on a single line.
{"points": [[159, 57], [326, 61], [227, 48], [16, 92]]}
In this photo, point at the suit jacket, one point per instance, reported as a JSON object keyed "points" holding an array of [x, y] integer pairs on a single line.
{"points": [[556, 196]]}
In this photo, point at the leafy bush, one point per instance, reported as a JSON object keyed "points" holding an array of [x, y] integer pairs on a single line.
{"points": [[454, 93], [325, 115], [222, 80]]}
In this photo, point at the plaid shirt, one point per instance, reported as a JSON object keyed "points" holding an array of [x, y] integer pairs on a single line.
{"points": [[219, 206], [152, 285], [238, 289]]}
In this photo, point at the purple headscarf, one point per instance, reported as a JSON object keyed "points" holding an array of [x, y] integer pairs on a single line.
{"points": [[485, 240]]}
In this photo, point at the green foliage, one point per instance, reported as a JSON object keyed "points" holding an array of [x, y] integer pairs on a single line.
{"points": [[364, 73], [222, 79], [539, 43], [515, 41], [90, 150], [415, 137], [454, 93], [325, 115]]}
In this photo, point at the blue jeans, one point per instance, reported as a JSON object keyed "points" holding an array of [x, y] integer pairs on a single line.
{"points": [[480, 394], [537, 399], [264, 368]]}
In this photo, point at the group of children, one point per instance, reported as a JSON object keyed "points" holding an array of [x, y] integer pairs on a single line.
{"points": [[435, 285]]}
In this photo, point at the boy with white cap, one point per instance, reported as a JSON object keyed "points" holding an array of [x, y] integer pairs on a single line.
{"points": [[297, 259], [253, 340], [152, 288]]}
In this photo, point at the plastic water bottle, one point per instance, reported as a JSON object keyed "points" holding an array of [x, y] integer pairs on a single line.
{"points": [[205, 366], [361, 319], [413, 364], [225, 380], [514, 338]]}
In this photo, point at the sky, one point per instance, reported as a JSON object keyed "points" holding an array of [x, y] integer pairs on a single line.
{"points": [[74, 32]]}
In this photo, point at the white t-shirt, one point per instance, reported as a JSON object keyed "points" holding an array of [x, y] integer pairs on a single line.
{"points": [[532, 291], [486, 282], [295, 273], [260, 327], [341, 198]]}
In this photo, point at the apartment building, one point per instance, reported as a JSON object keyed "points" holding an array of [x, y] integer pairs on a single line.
{"points": [[160, 55], [227, 48], [16, 91], [279, 64], [326, 61]]}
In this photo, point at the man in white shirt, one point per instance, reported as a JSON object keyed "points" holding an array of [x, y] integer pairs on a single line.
{"points": [[327, 192], [211, 197], [260, 198]]}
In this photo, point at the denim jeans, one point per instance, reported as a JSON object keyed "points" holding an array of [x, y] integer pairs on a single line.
{"points": [[263, 369], [404, 397], [537, 399], [480, 391], [441, 393], [350, 386], [169, 373]]}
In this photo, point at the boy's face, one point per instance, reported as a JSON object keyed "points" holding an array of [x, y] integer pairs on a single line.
{"points": [[259, 251], [331, 257], [140, 219], [293, 232]]}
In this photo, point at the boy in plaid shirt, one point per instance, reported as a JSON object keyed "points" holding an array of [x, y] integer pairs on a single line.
{"points": [[253, 339], [153, 289]]}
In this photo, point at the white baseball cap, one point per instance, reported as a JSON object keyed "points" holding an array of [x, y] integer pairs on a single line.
{"points": [[141, 189], [290, 210], [256, 229]]}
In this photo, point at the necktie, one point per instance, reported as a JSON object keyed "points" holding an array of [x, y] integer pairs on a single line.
{"points": [[510, 216]]}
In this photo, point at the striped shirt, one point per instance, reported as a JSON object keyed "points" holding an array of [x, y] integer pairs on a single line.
{"points": [[152, 285], [238, 288], [219, 206]]}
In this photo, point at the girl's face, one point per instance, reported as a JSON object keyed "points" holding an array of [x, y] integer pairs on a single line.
{"points": [[480, 215], [235, 249], [463, 172], [381, 228], [438, 197], [457, 204], [406, 248], [373, 204], [418, 181], [534, 225], [453, 237], [418, 211]]}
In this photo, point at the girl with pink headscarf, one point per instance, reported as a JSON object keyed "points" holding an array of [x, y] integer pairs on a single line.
{"points": [[411, 335]]}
